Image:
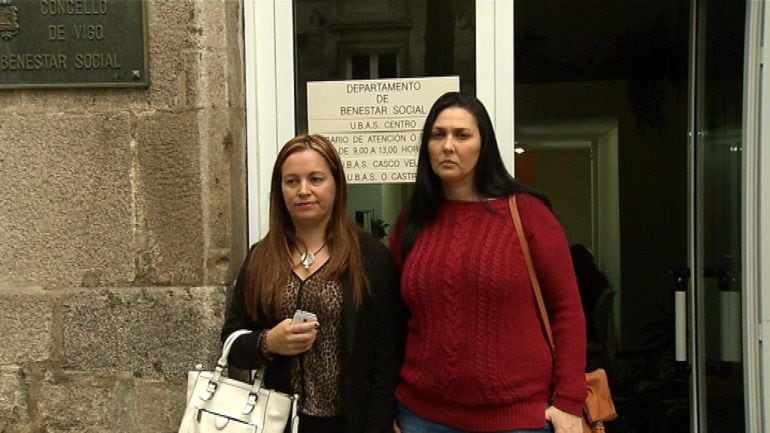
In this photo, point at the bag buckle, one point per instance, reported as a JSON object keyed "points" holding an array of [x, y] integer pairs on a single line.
{"points": [[211, 388], [250, 403]]}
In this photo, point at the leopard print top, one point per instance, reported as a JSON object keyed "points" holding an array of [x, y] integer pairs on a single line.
{"points": [[316, 375]]}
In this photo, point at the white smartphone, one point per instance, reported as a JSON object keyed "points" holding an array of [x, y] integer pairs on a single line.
{"points": [[301, 316]]}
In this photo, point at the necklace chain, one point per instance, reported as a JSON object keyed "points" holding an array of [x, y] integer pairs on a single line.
{"points": [[307, 258]]}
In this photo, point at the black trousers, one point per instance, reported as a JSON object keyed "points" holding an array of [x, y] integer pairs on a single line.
{"points": [[321, 424]]}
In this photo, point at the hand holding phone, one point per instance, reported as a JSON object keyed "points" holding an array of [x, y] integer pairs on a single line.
{"points": [[293, 336]]}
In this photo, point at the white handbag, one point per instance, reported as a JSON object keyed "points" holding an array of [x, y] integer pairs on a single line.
{"points": [[217, 404]]}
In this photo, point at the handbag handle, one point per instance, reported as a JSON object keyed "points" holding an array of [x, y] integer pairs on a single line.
{"points": [[531, 269], [229, 341], [222, 364]]}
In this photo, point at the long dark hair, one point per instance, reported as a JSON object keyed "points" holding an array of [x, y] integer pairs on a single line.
{"points": [[491, 178], [270, 264]]}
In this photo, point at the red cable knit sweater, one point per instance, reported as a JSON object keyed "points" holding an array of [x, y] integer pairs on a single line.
{"points": [[476, 355]]}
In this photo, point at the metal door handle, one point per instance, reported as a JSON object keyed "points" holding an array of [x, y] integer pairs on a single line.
{"points": [[680, 325], [681, 280]]}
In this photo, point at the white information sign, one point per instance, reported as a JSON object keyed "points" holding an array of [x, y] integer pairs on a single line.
{"points": [[375, 124]]}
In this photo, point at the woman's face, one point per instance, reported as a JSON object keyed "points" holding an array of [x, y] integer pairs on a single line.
{"points": [[308, 188], [454, 145]]}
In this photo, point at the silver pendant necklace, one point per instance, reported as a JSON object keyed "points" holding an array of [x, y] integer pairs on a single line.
{"points": [[307, 258]]}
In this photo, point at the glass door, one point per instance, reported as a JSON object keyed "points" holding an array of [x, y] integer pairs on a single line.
{"points": [[718, 51], [606, 95], [601, 106], [355, 40]]}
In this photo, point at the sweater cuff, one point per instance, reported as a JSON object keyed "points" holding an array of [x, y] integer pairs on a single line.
{"points": [[569, 405], [262, 346]]}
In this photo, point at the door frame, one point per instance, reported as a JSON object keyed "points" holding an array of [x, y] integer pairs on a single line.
{"points": [[270, 108], [495, 80], [756, 217], [269, 63]]}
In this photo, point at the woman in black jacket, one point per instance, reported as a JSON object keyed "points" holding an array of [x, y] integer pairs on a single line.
{"points": [[344, 365]]}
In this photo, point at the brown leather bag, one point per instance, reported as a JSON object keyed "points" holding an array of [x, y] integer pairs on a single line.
{"points": [[598, 407]]}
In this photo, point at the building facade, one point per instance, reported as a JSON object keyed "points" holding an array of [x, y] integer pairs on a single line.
{"points": [[122, 219], [126, 213]]}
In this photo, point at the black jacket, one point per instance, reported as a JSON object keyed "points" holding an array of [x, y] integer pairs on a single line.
{"points": [[373, 343]]}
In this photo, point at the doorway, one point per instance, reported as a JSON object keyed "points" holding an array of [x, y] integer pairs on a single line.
{"points": [[645, 95]]}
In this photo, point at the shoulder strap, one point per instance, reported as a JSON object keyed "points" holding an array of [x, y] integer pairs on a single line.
{"points": [[530, 268]]}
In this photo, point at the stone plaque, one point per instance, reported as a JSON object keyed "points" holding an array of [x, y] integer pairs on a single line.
{"points": [[72, 43]]}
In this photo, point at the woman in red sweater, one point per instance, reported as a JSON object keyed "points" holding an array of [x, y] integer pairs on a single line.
{"points": [[477, 358]]}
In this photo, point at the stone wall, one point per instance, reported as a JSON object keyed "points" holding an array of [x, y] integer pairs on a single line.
{"points": [[122, 219]]}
